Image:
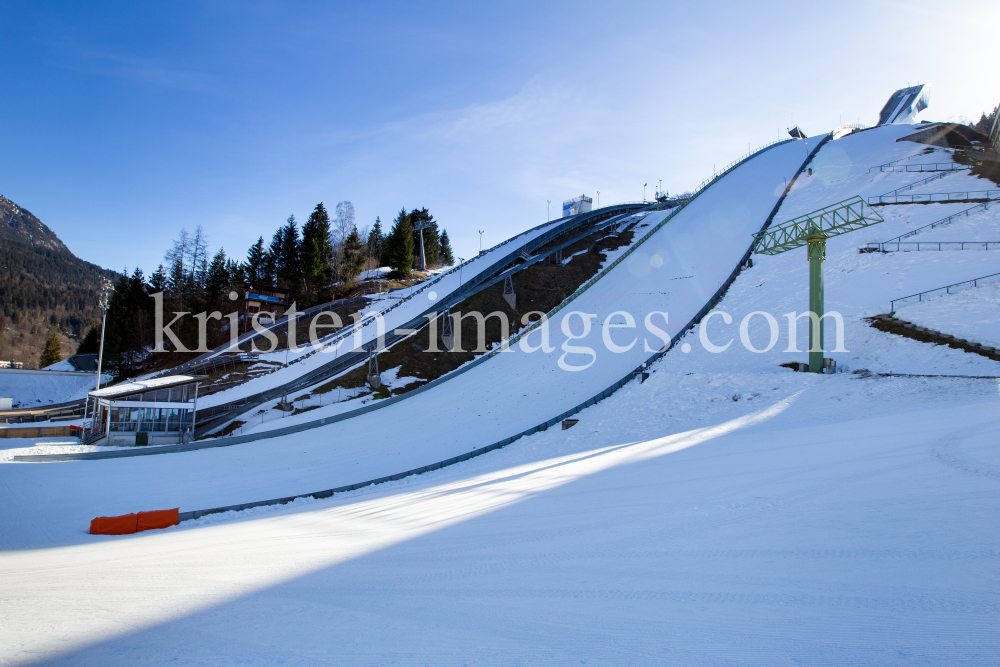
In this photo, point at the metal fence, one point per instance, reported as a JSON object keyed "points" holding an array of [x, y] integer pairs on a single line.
{"points": [[930, 166], [910, 186], [882, 167], [735, 163], [926, 198], [906, 246], [943, 221], [947, 289]]}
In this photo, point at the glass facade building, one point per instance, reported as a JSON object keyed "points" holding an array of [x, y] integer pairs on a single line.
{"points": [[158, 411]]}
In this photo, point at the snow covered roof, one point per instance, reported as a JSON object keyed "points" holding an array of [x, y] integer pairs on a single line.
{"points": [[145, 385]]}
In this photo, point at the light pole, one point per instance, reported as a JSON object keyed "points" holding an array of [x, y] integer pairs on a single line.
{"points": [[103, 302], [420, 227], [548, 210], [481, 241], [644, 191], [598, 199]]}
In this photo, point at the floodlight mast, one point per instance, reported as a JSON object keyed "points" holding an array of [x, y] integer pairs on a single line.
{"points": [[105, 297], [420, 227], [812, 230]]}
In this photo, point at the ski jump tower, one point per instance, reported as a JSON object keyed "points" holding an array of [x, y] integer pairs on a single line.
{"points": [[904, 105]]}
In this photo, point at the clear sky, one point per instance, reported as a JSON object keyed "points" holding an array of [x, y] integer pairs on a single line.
{"points": [[123, 122]]}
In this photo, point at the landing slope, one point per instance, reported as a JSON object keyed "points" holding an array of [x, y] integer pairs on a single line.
{"points": [[675, 271]]}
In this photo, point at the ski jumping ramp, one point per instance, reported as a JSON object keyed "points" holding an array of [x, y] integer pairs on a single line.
{"points": [[677, 269]]}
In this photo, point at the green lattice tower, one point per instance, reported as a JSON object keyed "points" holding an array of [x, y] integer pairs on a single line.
{"points": [[812, 230]]}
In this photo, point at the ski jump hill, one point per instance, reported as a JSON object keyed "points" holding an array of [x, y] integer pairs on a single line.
{"points": [[679, 263]]}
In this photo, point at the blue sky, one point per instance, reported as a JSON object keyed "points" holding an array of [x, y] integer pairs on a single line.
{"points": [[123, 122]]}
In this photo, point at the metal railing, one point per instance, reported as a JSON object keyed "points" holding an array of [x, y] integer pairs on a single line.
{"points": [[857, 127], [902, 159], [947, 289], [931, 245], [935, 197], [910, 186], [732, 165], [943, 221], [929, 166]]}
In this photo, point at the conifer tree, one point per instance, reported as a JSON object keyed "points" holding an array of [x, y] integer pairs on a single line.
{"points": [[272, 258], [158, 280], [399, 245], [354, 258], [234, 273], [447, 256], [317, 253], [253, 268], [289, 263], [51, 352], [217, 279], [177, 277], [176, 285], [91, 342], [130, 325], [376, 240]]}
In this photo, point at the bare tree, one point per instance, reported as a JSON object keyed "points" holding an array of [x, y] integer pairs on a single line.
{"points": [[187, 260], [343, 225], [199, 258]]}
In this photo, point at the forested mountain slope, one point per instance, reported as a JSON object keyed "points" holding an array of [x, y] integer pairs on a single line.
{"points": [[43, 287]]}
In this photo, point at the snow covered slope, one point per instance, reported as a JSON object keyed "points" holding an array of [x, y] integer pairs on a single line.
{"points": [[726, 511], [817, 520], [31, 389]]}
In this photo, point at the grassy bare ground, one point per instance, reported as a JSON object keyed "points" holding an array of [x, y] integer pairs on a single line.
{"points": [[538, 288], [984, 164], [219, 379]]}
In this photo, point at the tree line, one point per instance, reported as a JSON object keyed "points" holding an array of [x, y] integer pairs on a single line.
{"points": [[317, 262]]}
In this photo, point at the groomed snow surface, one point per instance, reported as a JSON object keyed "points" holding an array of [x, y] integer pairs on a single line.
{"points": [[725, 512], [815, 520]]}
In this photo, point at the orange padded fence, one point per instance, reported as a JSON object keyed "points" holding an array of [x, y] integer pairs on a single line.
{"points": [[157, 519], [114, 525], [133, 523]]}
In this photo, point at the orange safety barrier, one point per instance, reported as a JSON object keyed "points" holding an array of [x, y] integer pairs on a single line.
{"points": [[114, 525], [157, 519], [134, 523]]}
